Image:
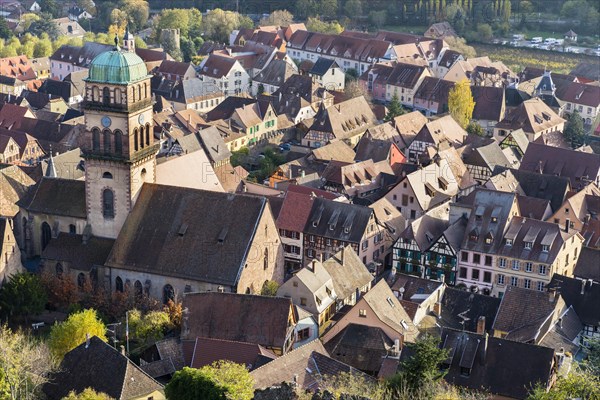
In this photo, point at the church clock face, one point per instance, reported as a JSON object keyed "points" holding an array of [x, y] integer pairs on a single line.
{"points": [[141, 119], [106, 121]]}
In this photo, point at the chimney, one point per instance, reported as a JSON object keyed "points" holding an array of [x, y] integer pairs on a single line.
{"points": [[123, 350], [87, 340], [560, 321], [485, 347], [313, 265], [551, 295], [583, 282], [437, 309], [481, 325]]}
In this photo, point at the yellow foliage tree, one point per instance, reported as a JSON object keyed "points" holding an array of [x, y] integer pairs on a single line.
{"points": [[461, 103], [69, 334]]}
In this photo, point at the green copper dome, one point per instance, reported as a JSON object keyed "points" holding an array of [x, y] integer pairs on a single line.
{"points": [[117, 67]]}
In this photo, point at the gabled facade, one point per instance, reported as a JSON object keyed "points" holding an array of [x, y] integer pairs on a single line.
{"points": [[10, 254], [225, 73]]}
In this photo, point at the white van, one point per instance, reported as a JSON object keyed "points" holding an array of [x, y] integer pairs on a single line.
{"points": [[537, 39], [550, 40]]}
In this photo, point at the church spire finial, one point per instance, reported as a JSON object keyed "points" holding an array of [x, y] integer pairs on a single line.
{"points": [[51, 170], [117, 41]]}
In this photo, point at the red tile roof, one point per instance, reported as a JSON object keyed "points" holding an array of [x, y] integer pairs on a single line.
{"points": [[297, 205], [207, 350]]}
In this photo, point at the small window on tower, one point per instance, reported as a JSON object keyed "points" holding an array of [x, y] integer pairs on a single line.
{"points": [[107, 175]]}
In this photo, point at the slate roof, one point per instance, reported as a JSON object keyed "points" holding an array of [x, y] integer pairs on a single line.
{"points": [[208, 350], [435, 90], [227, 107], [275, 73], [499, 368], [588, 70], [582, 295], [81, 256], [349, 221], [532, 116], [489, 215], [174, 67], [489, 103], [104, 369], [457, 302], [562, 162], [347, 272], [217, 66], [415, 289], [188, 233], [322, 65], [214, 145], [542, 186], [308, 365], [361, 346], [579, 93], [239, 317], [524, 314], [80, 56], [563, 334], [56, 196], [587, 264]]}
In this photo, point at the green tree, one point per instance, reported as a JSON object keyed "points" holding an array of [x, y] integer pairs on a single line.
{"points": [[188, 21], [67, 335], [461, 103], [25, 365], [328, 8], [305, 8], [218, 24], [353, 8], [239, 157], [394, 108], [88, 394], [278, 18], [318, 25], [592, 361], [484, 32], [188, 49], [44, 25], [269, 288], [221, 380], [5, 32], [87, 5], [149, 327], [574, 132], [579, 384], [475, 129], [423, 367], [171, 47], [377, 18], [23, 295], [49, 6], [460, 45], [506, 10]]}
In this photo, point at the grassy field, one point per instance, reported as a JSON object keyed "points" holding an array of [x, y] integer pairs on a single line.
{"points": [[519, 58]]}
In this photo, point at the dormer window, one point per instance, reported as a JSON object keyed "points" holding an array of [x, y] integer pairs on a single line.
{"points": [[528, 245], [489, 238], [509, 242], [545, 248]]}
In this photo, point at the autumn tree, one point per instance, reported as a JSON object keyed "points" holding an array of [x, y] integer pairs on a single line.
{"points": [[278, 18], [148, 327], [44, 25], [461, 102], [220, 380], [22, 296], [137, 12], [67, 335], [460, 45], [355, 89], [579, 384], [25, 365], [188, 21], [88, 394]]}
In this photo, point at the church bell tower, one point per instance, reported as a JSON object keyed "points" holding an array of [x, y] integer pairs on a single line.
{"points": [[119, 150]]}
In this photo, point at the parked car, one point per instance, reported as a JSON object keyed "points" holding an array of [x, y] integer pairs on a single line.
{"points": [[537, 39]]}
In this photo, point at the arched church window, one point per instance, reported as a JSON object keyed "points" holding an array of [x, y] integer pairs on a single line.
{"points": [[95, 94], [168, 293], [133, 94], [108, 204], [96, 139], [142, 136], [140, 91], [106, 96], [118, 141], [119, 284], [46, 234], [107, 175], [80, 281], [107, 141], [137, 288], [117, 95], [146, 91], [147, 134], [135, 139], [143, 174], [266, 259], [59, 269]]}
